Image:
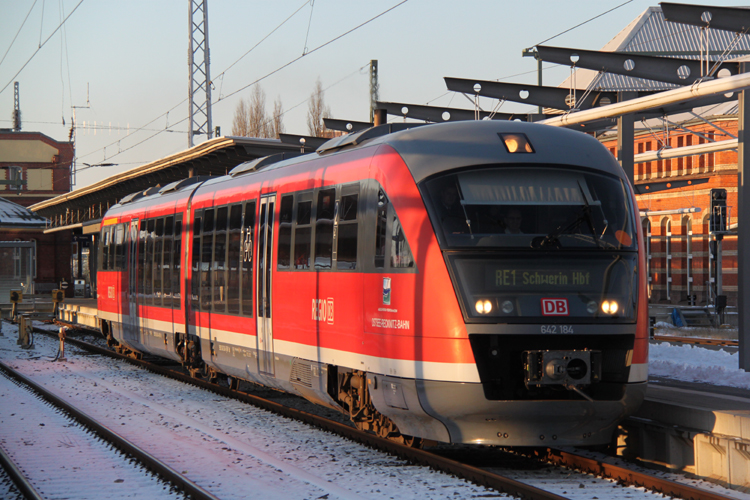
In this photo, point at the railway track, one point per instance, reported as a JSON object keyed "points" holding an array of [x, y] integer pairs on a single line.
{"points": [[475, 472], [75, 449], [697, 341]]}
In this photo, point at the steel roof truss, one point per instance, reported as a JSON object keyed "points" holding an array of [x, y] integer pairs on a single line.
{"points": [[548, 97], [663, 69], [708, 16]]}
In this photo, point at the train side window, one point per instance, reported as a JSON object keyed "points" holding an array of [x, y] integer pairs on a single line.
{"points": [[141, 259], [148, 280], [380, 228], [220, 260], [248, 233], [112, 248], [167, 264], [346, 244], [303, 232], [401, 256], [234, 251], [177, 273], [324, 228], [158, 262], [285, 232], [207, 245], [195, 277], [104, 249], [119, 247]]}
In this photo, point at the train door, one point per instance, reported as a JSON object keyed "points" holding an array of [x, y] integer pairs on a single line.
{"points": [[132, 298], [264, 285]]}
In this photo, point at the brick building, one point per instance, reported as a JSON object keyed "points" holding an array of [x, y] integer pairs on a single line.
{"points": [[43, 165], [681, 266]]}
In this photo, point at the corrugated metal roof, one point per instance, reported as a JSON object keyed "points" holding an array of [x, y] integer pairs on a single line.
{"points": [[13, 215], [651, 34]]}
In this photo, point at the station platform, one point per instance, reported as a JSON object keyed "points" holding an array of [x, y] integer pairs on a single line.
{"points": [[80, 312], [700, 429]]}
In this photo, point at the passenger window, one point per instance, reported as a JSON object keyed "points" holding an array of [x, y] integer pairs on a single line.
{"points": [[219, 262], [248, 234], [324, 228], [104, 245], [207, 244], [400, 253], [303, 233], [167, 262], [141, 260], [148, 279], [234, 251], [380, 228], [158, 245], [346, 245], [120, 247], [195, 279], [285, 232], [177, 274], [112, 248]]}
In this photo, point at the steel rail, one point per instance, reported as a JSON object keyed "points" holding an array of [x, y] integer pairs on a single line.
{"points": [[628, 476], [149, 461], [22, 483], [474, 474], [696, 340], [413, 455]]}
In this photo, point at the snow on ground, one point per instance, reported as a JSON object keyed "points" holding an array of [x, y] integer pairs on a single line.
{"points": [[695, 364], [232, 449]]}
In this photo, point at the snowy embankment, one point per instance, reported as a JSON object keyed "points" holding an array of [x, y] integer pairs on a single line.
{"points": [[695, 363]]}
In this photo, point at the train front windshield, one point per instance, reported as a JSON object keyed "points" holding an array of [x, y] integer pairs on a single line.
{"points": [[530, 242]]}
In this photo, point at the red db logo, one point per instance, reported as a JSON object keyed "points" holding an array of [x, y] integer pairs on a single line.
{"points": [[555, 307]]}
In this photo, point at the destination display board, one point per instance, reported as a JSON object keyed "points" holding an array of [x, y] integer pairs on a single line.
{"points": [[498, 277]]}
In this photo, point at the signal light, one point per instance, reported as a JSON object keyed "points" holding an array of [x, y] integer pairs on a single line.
{"points": [[718, 219]]}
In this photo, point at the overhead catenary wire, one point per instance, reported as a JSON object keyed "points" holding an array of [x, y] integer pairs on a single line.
{"points": [[249, 84], [17, 32], [581, 24], [40, 47]]}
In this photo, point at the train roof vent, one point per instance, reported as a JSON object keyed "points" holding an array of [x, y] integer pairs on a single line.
{"points": [[177, 185], [138, 195], [259, 163], [357, 138]]}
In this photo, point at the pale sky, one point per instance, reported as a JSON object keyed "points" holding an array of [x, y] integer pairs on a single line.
{"points": [[132, 57]]}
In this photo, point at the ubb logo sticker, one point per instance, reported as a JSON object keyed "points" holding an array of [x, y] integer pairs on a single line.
{"points": [[322, 310], [555, 307]]}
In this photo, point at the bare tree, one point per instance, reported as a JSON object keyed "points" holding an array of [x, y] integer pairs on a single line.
{"points": [[250, 116], [277, 125], [241, 121], [316, 111]]}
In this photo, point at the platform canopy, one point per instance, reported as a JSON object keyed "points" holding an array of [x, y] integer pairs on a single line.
{"points": [[84, 207]]}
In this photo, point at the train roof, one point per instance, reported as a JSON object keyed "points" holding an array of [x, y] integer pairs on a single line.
{"points": [[435, 148], [429, 149]]}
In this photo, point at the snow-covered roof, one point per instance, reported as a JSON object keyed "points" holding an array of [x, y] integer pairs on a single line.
{"points": [[14, 216], [651, 34]]}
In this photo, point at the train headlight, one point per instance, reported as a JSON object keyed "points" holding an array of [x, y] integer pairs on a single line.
{"points": [[592, 307], [483, 306], [610, 307], [507, 307]]}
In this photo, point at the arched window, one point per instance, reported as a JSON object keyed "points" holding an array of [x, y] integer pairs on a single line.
{"points": [[666, 226], [687, 226], [646, 224]]}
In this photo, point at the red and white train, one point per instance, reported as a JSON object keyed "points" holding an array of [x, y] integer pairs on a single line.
{"points": [[466, 282]]}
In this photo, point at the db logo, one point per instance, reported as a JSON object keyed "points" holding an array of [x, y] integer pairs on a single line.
{"points": [[555, 307]]}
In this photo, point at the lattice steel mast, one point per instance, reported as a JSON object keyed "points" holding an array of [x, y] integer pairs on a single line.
{"points": [[200, 76]]}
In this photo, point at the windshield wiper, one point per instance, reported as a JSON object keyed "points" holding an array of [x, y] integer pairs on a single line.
{"points": [[552, 240]]}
